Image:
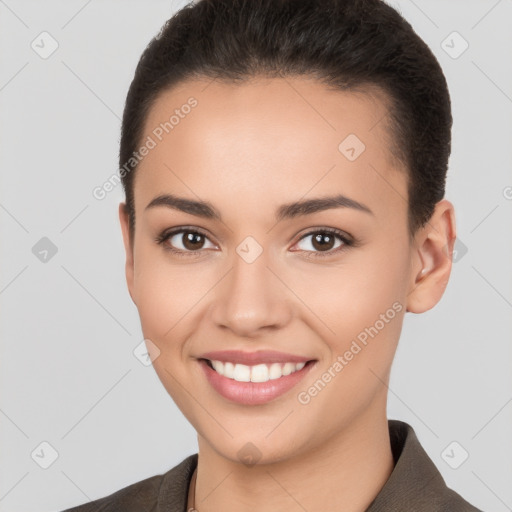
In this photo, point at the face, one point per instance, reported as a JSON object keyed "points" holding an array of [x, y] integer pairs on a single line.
{"points": [[252, 271]]}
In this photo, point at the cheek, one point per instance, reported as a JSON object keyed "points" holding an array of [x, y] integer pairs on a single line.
{"points": [[166, 292], [359, 307], [169, 299], [363, 308], [165, 298], [354, 293]]}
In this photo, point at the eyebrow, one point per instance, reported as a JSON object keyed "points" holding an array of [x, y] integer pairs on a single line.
{"points": [[286, 211]]}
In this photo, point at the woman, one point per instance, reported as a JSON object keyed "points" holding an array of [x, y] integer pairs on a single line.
{"points": [[284, 165]]}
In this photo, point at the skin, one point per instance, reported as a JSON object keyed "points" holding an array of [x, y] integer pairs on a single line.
{"points": [[247, 149]]}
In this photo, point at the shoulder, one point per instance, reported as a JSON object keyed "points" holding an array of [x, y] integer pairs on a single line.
{"points": [[145, 495], [140, 496], [453, 502], [415, 482]]}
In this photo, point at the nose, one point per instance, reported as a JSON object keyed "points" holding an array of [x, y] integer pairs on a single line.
{"points": [[251, 298]]}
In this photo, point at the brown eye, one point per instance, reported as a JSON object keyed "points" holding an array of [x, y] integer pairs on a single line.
{"points": [[324, 242], [192, 241], [185, 241], [321, 241]]}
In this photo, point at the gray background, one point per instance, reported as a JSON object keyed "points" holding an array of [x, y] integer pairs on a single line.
{"points": [[68, 331]]}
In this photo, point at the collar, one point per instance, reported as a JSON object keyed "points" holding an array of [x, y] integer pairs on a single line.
{"points": [[414, 484]]}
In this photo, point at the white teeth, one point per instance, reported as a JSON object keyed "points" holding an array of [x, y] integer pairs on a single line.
{"points": [[229, 370], [259, 373], [288, 368], [256, 373], [275, 371], [218, 366], [242, 373]]}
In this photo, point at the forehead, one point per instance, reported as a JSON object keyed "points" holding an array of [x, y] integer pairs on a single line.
{"points": [[265, 137]]}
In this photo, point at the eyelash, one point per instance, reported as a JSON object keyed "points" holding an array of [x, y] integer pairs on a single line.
{"points": [[347, 242]]}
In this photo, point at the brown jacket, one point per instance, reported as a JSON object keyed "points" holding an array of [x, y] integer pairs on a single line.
{"points": [[415, 485]]}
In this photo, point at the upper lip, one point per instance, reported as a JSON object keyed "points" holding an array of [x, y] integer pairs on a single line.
{"points": [[253, 358]]}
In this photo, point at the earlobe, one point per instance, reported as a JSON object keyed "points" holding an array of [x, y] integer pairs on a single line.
{"points": [[433, 262], [125, 228]]}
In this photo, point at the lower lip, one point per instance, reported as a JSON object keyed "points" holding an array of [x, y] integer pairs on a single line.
{"points": [[253, 393]]}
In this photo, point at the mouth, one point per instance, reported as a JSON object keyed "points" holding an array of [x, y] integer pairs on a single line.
{"points": [[255, 373], [254, 384]]}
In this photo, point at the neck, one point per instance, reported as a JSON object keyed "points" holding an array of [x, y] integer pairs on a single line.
{"points": [[348, 470]]}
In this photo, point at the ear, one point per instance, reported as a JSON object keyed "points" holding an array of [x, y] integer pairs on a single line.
{"points": [[125, 227], [432, 259]]}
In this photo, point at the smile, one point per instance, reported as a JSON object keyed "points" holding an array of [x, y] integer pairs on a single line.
{"points": [[256, 373], [253, 384]]}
